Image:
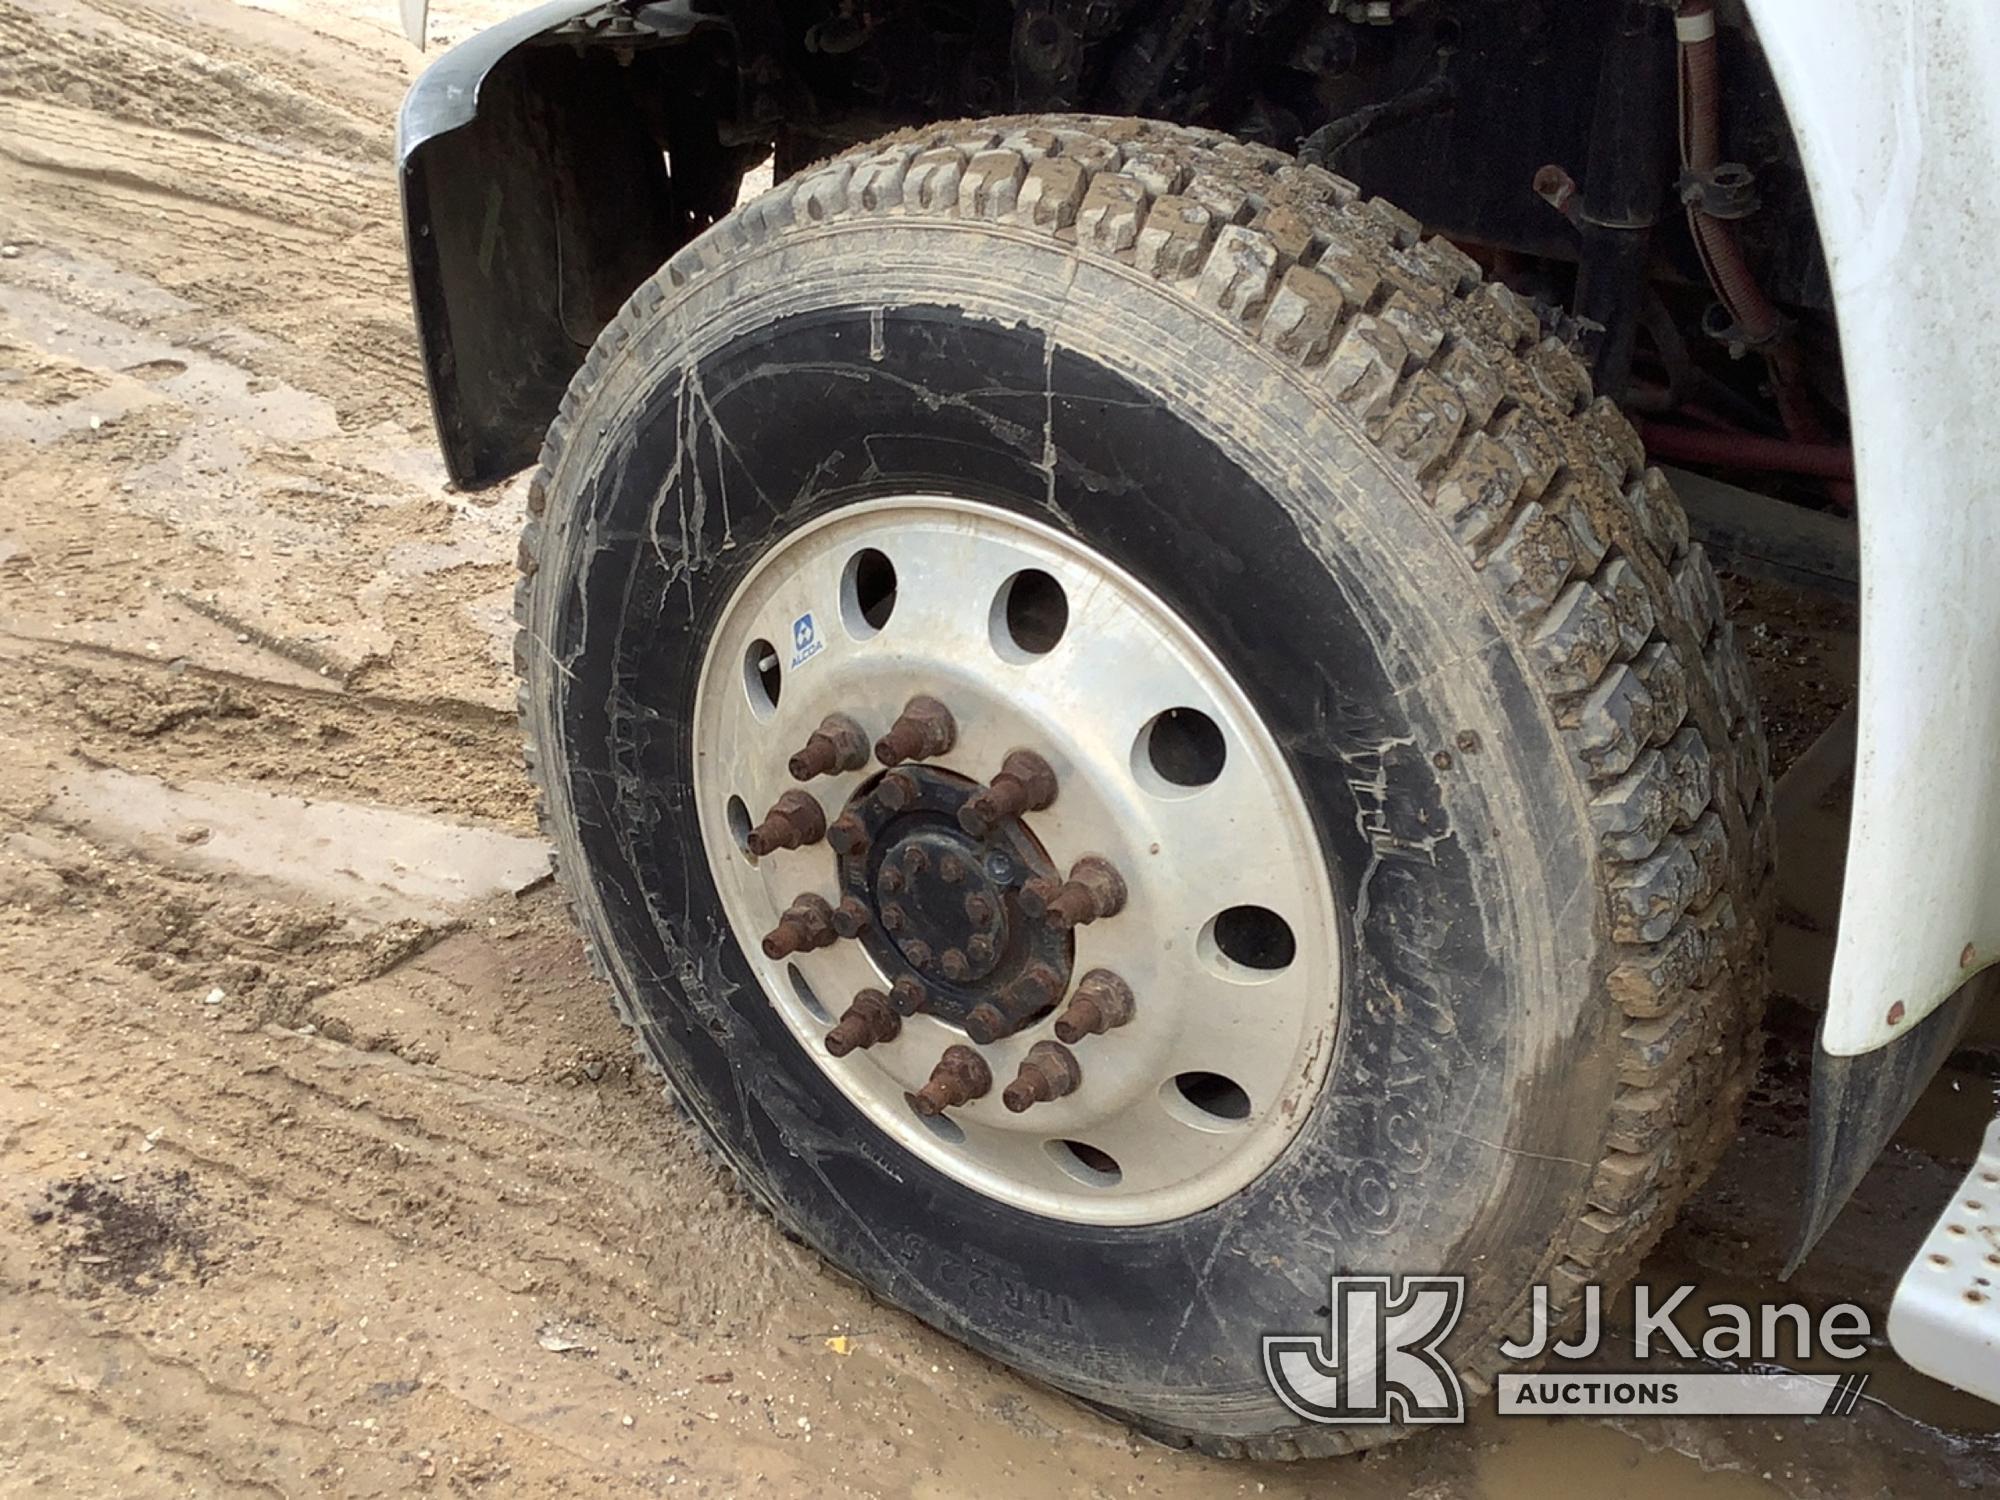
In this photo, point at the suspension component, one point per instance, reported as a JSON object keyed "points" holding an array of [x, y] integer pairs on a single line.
{"points": [[851, 918], [795, 819], [923, 730], [807, 923], [960, 1077], [1049, 1071], [1102, 1001], [1094, 889], [870, 1019], [1026, 783], [839, 744]]}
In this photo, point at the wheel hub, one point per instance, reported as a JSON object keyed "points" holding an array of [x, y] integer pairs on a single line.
{"points": [[945, 902], [1015, 860]]}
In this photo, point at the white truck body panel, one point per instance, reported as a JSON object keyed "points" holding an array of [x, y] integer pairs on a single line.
{"points": [[1896, 106]]}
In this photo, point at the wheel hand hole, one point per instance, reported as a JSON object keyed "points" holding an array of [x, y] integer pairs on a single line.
{"points": [[739, 827], [1087, 1164], [1253, 938], [1179, 750], [1214, 1096], [807, 997], [1030, 615], [867, 592], [761, 678]]}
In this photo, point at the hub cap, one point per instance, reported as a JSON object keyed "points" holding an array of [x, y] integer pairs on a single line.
{"points": [[1037, 808]]}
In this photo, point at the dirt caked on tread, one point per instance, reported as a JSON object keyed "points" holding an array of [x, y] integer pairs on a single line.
{"points": [[1490, 425]]}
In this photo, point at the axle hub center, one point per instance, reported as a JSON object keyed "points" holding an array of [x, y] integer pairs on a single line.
{"points": [[946, 902]]}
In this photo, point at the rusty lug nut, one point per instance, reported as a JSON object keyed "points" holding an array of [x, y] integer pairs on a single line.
{"points": [[981, 947], [953, 963], [979, 907], [1034, 991], [870, 1019], [1049, 1071], [889, 881], [951, 870], [1026, 783], [851, 918], [1094, 889], [923, 730], [986, 1022], [1102, 1001], [848, 835], [960, 1077], [918, 952], [897, 791], [916, 860], [806, 923], [909, 996], [893, 918], [795, 819], [839, 744]]}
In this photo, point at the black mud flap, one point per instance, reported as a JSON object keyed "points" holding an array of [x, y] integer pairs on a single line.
{"points": [[536, 197], [1857, 1103]]}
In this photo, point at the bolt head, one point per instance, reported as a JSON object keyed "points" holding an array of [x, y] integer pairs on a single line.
{"points": [[918, 952], [890, 880], [893, 918], [951, 869], [953, 964]]}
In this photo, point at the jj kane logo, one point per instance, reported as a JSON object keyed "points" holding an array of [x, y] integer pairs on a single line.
{"points": [[1381, 1358]]}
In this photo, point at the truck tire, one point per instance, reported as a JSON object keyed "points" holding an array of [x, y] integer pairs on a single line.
{"points": [[1346, 629]]}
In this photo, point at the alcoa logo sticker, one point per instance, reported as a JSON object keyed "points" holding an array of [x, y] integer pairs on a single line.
{"points": [[1381, 1358], [806, 643]]}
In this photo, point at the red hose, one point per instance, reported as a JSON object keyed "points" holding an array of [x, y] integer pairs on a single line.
{"points": [[1745, 450], [1721, 253]]}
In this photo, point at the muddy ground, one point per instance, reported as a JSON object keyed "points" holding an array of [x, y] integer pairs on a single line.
{"points": [[323, 1166]]}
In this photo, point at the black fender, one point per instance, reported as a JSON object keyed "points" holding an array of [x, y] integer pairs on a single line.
{"points": [[536, 191]]}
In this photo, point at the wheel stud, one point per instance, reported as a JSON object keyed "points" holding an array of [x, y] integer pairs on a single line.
{"points": [[1026, 783], [1102, 1001], [960, 1077], [851, 918], [795, 819], [896, 791], [953, 964], [807, 923], [1028, 996], [839, 744], [909, 996], [923, 730], [869, 1020], [1094, 889], [1049, 1071], [848, 835]]}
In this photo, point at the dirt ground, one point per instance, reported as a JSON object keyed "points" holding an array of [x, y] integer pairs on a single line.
{"points": [[323, 1166]]}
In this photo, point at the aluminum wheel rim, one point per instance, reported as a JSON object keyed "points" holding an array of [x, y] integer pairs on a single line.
{"points": [[1227, 1049]]}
